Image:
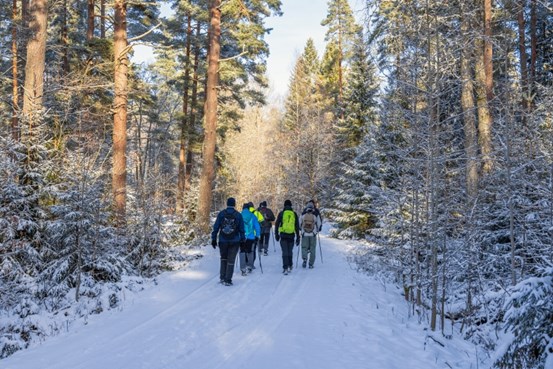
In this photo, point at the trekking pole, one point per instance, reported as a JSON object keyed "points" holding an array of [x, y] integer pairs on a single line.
{"points": [[320, 248]]}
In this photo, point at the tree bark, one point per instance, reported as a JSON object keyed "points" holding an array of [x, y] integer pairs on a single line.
{"points": [[184, 135], [533, 43], [467, 104], [119, 173], [90, 20], [65, 40], [210, 134], [523, 56], [488, 48], [35, 62], [102, 18], [15, 82], [485, 119]]}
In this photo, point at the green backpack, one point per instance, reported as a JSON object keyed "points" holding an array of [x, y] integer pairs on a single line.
{"points": [[288, 224]]}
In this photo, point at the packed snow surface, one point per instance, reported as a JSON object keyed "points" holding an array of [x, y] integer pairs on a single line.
{"points": [[328, 317]]}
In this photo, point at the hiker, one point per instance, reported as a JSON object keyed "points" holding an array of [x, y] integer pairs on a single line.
{"points": [[260, 219], [315, 211], [266, 227], [229, 226], [310, 225], [252, 230], [287, 227]]}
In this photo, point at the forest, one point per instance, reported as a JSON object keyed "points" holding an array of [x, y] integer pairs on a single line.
{"points": [[423, 127]]}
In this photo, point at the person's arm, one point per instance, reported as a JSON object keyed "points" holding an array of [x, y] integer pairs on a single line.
{"points": [[271, 215], [257, 227], [216, 226], [277, 224], [241, 227], [297, 227]]}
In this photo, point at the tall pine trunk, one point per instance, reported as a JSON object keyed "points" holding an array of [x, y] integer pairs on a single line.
{"points": [[119, 171], [485, 120], [35, 62], [184, 135], [210, 113], [102, 18], [15, 82], [523, 56], [488, 48], [90, 20]]}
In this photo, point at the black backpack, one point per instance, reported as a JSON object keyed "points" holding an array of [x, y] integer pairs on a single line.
{"points": [[229, 225]]}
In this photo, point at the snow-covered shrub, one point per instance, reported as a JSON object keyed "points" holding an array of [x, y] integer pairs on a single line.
{"points": [[529, 313]]}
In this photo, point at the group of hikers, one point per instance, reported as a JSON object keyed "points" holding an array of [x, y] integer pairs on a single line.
{"points": [[242, 232]]}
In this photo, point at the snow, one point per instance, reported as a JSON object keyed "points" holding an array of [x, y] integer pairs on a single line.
{"points": [[328, 317]]}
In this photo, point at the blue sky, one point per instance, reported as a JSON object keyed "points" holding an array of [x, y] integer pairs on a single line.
{"points": [[301, 20]]}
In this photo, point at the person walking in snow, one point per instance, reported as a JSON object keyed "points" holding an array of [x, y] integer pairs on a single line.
{"points": [[229, 227], [260, 220], [315, 211], [310, 225], [266, 227], [252, 231], [287, 228]]}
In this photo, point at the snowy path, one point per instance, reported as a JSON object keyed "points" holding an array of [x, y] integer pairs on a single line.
{"points": [[328, 317]]}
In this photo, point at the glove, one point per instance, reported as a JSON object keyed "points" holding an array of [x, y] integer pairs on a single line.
{"points": [[320, 228], [214, 243], [277, 237], [297, 241]]}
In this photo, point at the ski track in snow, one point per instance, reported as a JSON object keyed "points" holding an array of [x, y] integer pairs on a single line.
{"points": [[327, 317]]}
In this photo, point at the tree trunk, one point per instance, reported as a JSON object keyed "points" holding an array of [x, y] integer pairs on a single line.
{"points": [[533, 42], [65, 40], [485, 119], [15, 82], [523, 57], [467, 104], [210, 134], [119, 173], [90, 20], [35, 64], [488, 49], [184, 135], [103, 18]]}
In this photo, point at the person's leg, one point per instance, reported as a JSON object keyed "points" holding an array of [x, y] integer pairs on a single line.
{"points": [[304, 249], [249, 254], [232, 251], [312, 244], [223, 251]]}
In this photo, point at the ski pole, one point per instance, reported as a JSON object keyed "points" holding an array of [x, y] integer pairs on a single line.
{"points": [[320, 248], [274, 241]]}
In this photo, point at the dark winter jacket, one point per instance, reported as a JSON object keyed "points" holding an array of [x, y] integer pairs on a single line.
{"points": [[269, 218], [238, 237], [296, 227]]}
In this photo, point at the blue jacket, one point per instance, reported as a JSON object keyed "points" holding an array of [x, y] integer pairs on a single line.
{"points": [[238, 237], [251, 224]]}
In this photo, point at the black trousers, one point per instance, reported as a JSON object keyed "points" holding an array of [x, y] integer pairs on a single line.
{"points": [[264, 241], [228, 253], [287, 245]]}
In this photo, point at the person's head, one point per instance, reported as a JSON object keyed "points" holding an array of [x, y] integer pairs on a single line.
{"points": [[231, 202], [246, 205], [310, 206], [288, 203], [263, 204]]}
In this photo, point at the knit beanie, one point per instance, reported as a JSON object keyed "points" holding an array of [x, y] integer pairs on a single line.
{"points": [[231, 201], [246, 205], [263, 204], [287, 203]]}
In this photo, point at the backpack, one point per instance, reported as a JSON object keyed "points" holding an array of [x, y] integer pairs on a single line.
{"points": [[288, 222], [229, 225], [308, 223]]}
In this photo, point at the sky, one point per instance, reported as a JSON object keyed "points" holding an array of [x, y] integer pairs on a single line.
{"points": [[301, 19], [328, 317]]}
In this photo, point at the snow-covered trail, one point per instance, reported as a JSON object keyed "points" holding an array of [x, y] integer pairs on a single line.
{"points": [[326, 317]]}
